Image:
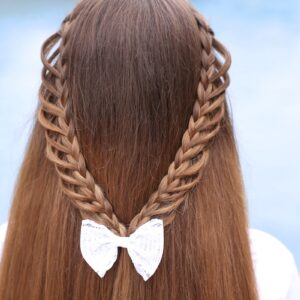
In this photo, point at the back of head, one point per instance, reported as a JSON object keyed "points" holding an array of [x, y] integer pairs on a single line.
{"points": [[135, 123]]}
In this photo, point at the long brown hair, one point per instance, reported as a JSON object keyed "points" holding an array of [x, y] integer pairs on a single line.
{"points": [[135, 123]]}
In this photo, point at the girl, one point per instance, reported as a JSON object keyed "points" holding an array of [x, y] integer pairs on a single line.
{"points": [[132, 168]]}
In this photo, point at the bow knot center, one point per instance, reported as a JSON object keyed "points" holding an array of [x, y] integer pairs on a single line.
{"points": [[122, 241]]}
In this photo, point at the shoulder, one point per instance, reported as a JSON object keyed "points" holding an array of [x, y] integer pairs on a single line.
{"points": [[275, 268], [3, 229]]}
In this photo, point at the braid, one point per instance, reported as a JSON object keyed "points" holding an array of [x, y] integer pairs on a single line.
{"points": [[184, 172], [62, 144], [191, 158]]}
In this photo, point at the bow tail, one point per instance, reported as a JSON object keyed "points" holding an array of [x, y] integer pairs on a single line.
{"points": [[101, 263]]}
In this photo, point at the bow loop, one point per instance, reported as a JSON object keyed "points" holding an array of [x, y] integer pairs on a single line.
{"points": [[99, 246]]}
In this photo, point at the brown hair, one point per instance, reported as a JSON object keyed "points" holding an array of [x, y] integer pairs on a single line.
{"points": [[122, 80]]}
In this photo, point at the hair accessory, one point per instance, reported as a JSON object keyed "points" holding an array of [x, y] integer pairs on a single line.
{"points": [[99, 246]]}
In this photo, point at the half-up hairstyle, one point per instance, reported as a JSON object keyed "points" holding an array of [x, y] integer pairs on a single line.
{"points": [[134, 123], [184, 173]]}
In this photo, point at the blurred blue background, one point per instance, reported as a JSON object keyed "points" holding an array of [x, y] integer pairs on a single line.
{"points": [[264, 40]]}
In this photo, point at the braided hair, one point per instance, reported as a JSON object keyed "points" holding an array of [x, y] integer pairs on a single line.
{"points": [[186, 170]]}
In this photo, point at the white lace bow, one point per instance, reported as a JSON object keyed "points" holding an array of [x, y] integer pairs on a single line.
{"points": [[99, 246]]}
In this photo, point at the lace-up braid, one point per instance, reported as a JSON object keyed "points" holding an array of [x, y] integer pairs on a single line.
{"points": [[191, 158], [184, 172], [63, 148]]}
